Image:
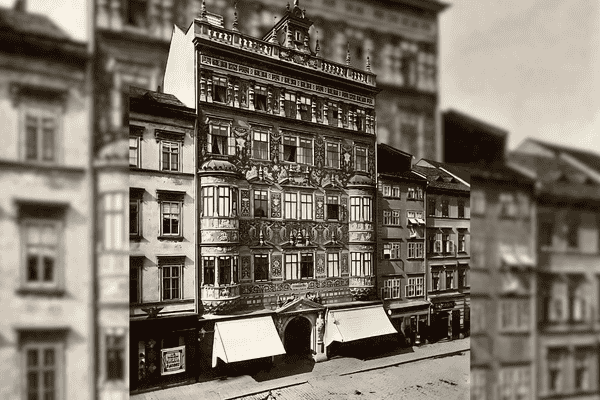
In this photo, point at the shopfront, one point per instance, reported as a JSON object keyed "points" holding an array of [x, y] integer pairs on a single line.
{"points": [[163, 352], [447, 318], [411, 320]]}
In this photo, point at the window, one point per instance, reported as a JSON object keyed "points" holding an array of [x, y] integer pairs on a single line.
{"points": [[219, 201], [305, 152], [573, 234], [431, 207], [261, 267], [395, 218], [41, 129], [290, 105], [305, 108], [41, 253], [555, 370], [333, 264], [360, 264], [44, 366], [391, 289], [333, 155], [409, 69], [219, 140], [411, 193], [170, 156], [446, 243], [306, 206], [507, 205], [134, 217], [419, 194], [546, 233], [396, 192], [415, 250], [290, 205], [219, 89], [435, 280], [171, 282], [514, 314], [115, 357], [461, 208], [360, 120], [514, 383], [387, 190], [387, 217], [136, 12], [260, 97], [462, 278], [478, 199], [292, 270], [361, 159], [449, 278], [333, 208], [387, 251], [113, 210], [306, 266], [134, 152], [478, 314], [462, 247], [445, 208], [135, 284], [260, 144], [332, 114], [261, 202], [414, 287], [289, 149], [170, 214], [478, 384], [578, 302], [209, 270], [228, 270], [582, 368]]}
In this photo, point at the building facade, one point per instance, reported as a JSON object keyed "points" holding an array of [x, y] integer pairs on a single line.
{"points": [[47, 329], [162, 240], [448, 235], [568, 267], [503, 274], [401, 273]]}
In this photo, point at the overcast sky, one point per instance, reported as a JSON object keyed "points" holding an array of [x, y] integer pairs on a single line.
{"points": [[528, 66]]}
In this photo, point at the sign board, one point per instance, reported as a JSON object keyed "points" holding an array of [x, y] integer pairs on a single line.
{"points": [[299, 286], [444, 305], [172, 361]]}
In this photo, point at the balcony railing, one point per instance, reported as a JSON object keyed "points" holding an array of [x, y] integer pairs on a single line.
{"points": [[221, 292]]}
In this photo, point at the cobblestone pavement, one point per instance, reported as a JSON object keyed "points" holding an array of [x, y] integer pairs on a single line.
{"points": [[438, 378]]}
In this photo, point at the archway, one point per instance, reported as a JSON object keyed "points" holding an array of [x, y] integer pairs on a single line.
{"points": [[297, 336]]}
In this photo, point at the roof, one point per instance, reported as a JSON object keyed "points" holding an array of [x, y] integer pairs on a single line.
{"points": [[431, 5], [455, 169], [592, 160], [440, 179], [156, 97], [494, 172], [28, 23], [476, 123]]}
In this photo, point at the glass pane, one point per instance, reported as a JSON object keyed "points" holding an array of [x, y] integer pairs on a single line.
{"points": [[32, 358], [49, 359], [32, 386], [49, 379], [31, 138], [166, 272], [48, 269], [175, 225], [166, 225], [175, 272], [48, 144], [32, 267]]}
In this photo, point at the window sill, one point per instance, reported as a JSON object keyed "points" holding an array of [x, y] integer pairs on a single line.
{"points": [[171, 238], [50, 292]]}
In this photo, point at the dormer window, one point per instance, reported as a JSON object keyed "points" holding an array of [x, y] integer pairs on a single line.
{"points": [[298, 36]]}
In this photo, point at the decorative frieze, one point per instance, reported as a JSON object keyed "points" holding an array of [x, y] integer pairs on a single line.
{"points": [[218, 223], [287, 286], [246, 267], [245, 203], [275, 205], [210, 250], [219, 236]]}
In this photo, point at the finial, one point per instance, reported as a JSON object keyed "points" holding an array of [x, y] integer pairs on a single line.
{"points": [[234, 26], [368, 64], [287, 7], [203, 12], [317, 47], [348, 55], [274, 36], [296, 3], [261, 238], [304, 13], [306, 48]]}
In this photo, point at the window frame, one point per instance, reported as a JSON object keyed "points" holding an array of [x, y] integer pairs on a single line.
{"points": [[122, 350], [210, 197], [137, 148], [137, 223], [228, 145], [57, 283], [261, 90], [293, 150], [179, 204], [257, 153], [363, 166], [217, 81], [290, 206], [304, 154], [329, 161], [262, 202], [291, 266], [58, 347], [177, 267], [34, 109], [264, 257], [306, 207], [173, 144], [108, 239], [336, 203], [138, 283]]}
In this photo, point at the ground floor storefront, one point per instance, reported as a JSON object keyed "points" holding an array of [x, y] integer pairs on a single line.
{"points": [[449, 317], [410, 319]]}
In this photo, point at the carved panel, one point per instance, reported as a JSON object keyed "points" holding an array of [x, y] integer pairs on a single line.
{"points": [[245, 204], [321, 271], [344, 208], [320, 214], [219, 250], [276, 266], [371, 161], [274, 145], [344, 263], [246, 267], [219, 236], [245, 232], [319, 152], [224, 223], [275, 205]]}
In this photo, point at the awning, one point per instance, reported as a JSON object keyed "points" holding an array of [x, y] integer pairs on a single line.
{"points": [[523, 254], [358, 323], [508, 256], [413, 221], [246, 339], [410, 304], [388, 267], [421, 221]]}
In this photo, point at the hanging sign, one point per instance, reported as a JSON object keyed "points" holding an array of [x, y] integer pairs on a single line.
{"points": [[172, 360]]}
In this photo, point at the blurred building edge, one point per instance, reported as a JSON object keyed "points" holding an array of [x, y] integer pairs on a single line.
{"points": [[536, 288], [397, 38], [47, 332]]}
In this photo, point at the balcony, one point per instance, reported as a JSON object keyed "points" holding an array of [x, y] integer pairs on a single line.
{"points": [[219, 299], [362, 287]]}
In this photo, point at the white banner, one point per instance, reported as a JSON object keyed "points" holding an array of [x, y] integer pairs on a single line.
{"points": [[172, 361]]}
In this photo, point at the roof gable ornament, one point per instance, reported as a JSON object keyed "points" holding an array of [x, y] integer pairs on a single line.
{"points": [[317, 47], [234, 25], [203, 12], [348, 54], [368, 62]]}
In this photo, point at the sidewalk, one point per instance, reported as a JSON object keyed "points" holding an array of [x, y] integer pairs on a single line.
{"points": [[239, 386]]}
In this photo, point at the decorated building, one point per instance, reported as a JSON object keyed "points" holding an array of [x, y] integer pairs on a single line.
{"points": [[448, 233], [285, 194], [401, 273]]}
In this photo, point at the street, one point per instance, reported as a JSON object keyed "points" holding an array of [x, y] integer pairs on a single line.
{"points": [[436, 378]]}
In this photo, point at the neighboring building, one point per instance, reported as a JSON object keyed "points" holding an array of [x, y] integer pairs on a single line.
{"points": [[447, 249], [162, 240], [503, 275], [401, 38], [568, 248], [47, 331], [286, 185], [401, 273]]}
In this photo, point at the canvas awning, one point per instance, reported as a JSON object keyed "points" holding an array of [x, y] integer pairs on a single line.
{"points": [[421, 221], [357, 323], [388, 267], [246, 339], [413, 221], [509, 258], [523, 254]]}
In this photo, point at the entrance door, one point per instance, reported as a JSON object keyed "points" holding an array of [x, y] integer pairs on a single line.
{"points": [[455, 324], [443, 325], [297, 336]]}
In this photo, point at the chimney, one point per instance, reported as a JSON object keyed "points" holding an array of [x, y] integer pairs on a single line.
{"points": [[20, 6]]}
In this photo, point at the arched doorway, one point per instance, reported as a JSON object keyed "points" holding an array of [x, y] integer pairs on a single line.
{"points": [[297, 336]]}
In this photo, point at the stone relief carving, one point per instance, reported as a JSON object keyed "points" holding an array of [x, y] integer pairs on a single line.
{"points": [[246, 267]]}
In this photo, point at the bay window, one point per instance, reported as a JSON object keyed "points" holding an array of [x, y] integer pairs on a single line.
{"points": [[360, 208], [219, 201], [220, 270], [360, 264]]}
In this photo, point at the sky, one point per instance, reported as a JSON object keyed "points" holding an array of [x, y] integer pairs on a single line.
{"points": [[530, 67]]}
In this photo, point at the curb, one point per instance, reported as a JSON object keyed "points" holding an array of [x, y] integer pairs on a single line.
{"points": [[301, 382], [452, 353]]}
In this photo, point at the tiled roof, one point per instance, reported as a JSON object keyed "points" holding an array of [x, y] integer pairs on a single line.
{"points": [[161, 98], [592, 160], [27, 23], [493, 171], [441, 179]]}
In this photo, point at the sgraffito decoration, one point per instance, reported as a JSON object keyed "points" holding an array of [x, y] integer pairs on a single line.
{"points": [[275, 205], [276, 266], [246, 267], [245, 203]]}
